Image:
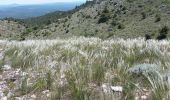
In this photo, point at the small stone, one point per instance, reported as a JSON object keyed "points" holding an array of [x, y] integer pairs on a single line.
{"points": [[6, 67], [17, 98], [17, 72], [46, 91], [144, 97], [144, 68], [117, 88], [4, 98], [33, 96], [104, 88], [24, 73], [1, 94], [62, 76], [48, 95], [10, 94]]}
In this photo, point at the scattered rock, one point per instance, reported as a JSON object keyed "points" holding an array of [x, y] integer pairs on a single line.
{"points": [[3, 86], [1, 94], [48, 94], [144, 68], [6, 67], [4, 98], [45, 91], [10, 94], [117, 88], [24, 74], [144, 97], [105, 88], [18, 98], [33, 96]]}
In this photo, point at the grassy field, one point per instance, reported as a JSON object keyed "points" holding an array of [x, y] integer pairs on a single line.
{"points": [[80, 68]]}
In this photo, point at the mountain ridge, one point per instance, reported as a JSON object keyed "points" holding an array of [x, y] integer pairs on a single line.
{"points": [[26, 11], [104, 19]]}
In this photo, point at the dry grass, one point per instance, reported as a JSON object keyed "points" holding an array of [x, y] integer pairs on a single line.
{"points": [[78, 68]]}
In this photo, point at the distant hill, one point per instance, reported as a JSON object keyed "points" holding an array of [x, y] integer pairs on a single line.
{"points": [[25, 11]]}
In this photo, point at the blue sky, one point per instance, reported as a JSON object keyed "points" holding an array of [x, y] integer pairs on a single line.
{"points": [[4, 2]]}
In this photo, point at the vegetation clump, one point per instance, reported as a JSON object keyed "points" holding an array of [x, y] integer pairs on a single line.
{"points": [[104, 17], [163, 33]]}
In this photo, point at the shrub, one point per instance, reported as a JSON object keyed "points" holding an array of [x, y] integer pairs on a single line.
{"points": [[46, 34], [88, 17], [158, 18], [114, 23], [164, 30], [121, 26], [143, 15], [103, 19], [104, 16], [105, 10], [48, 22], [35, 28], [161, 36], [67, 31], [147, 37], [163, 33]]}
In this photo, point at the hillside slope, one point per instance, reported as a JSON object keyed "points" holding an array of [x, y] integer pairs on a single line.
{"points": [[112, 18], [10, 29], [104, 19]]}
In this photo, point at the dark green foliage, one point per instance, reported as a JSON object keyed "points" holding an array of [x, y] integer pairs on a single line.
{"points": [[121, 26], [48, 22], [96, 31], [88, 17], [161, 36], [158, 18], [45, 34], [35, 28], [166, 2], [143, 15], [105, 10], [103, 19], [67, 31], [114, 23], [105, 16], [24, 34], [164, 30], [148, 37], [163, 33]]}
